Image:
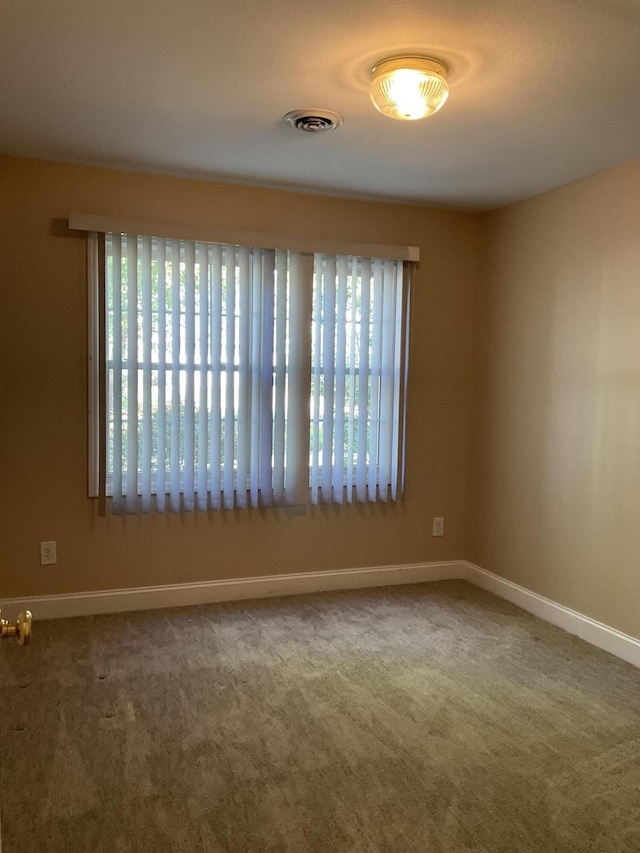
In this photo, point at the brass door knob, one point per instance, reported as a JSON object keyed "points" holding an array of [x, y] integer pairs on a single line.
{"points": [[21, 630]]}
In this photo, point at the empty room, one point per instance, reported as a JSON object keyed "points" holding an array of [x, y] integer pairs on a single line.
{"points": [[320, 427]]}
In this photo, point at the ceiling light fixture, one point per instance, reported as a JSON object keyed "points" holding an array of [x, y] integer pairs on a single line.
{"points": [[409, 87]]}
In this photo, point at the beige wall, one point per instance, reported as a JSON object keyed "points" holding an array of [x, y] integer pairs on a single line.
{"points": [[554, 497], [43, 457], [554, 433]]}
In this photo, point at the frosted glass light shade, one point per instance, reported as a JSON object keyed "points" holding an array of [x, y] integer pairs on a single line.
{"points": [[409, 87]]}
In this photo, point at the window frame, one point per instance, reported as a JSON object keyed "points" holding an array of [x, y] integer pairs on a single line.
{"points": [[95, 226]]}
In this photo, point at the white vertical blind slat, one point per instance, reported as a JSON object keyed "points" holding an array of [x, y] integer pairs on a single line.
{"points": [[328, 370], [397, 362], [387, 382], [131, 496], [244, 376], [176, 336], [188, 473], [316, 337], [215, 358], [406, 274], [376, 369], [256, 349], [299, 378], [351, 335], [145, 373], [229, 377], [341, 315], [265, 425], [160, 358], [114, 355], [202, 361], [363, 381], [280, 368]]}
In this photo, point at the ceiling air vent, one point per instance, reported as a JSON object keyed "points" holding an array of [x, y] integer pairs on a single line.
{"points": [[314, 121]]}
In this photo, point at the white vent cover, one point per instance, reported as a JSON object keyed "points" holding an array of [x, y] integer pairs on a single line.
{"points": [[313, 120]]}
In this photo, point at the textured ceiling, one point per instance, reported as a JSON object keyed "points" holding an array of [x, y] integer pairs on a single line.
{"points": [[542, 92]]}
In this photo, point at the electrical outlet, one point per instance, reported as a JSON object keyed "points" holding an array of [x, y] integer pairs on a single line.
{"points": [[48, 554], [438, 526]]}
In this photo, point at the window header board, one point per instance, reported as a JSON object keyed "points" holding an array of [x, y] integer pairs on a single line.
{"points": [[255, 239]]}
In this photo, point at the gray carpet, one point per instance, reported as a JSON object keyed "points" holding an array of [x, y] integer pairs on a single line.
{"points": [[418, 718]]}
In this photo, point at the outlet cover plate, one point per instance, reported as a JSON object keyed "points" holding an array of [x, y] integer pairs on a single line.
{"points": [[48, 555]]}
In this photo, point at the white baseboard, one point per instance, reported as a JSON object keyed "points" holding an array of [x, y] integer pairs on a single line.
{"points": [[597, 633], [208, 592], [175, 595]]}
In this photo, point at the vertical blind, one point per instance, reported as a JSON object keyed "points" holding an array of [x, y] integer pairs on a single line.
{"points": [[356, 378], [238, 376]]}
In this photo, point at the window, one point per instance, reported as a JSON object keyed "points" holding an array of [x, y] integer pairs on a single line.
{"points": [[357, 336], [235, 375]]}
